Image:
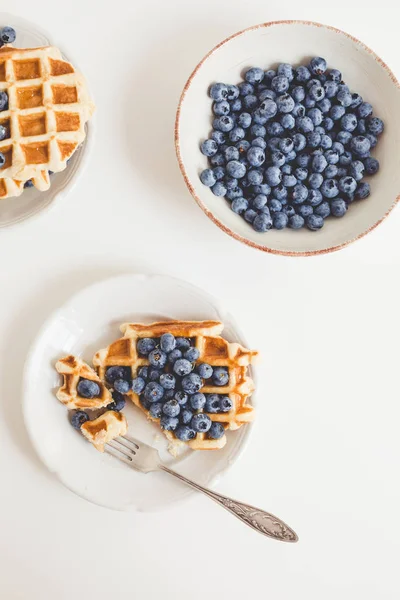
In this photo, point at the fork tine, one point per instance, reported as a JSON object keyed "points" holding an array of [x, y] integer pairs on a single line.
{"points": [[121, 448], [117, 454], [127, 444], [132, 441]]}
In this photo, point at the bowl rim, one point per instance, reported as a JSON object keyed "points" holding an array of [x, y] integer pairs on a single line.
{"points": [[205, 209]]}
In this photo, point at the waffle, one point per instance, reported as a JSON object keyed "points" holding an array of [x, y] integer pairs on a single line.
{"points": [[48, 106], [73, 369], [105, 428], [213, 349], [11, 188]]}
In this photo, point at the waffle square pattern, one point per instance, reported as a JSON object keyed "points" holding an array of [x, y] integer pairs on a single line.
{"points": [[213, 350], [48, 107]]}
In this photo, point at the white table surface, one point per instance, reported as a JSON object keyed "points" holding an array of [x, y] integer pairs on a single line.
{"points": [[326, 447]]}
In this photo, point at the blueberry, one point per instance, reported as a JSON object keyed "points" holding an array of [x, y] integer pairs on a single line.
{"points": [[255, 156], [201, 423], [244, 120], [348, 122], [204, 370], [315, 181], [309, 102], [331, 171], [344, 97], [285, 103], [259, 142], [78, 418], [286, 145], [167, 381], [329, 188], [233, 92], [357, 170], [375, 125], [373, 140], [303, 160], [328, 123], [145, 346], [347, 185], [280, 193], [346, 158], [119, 402], [331, 89], [250, 101], [192, 383], [280, 220], [262, 189], [218, 189], [262, 223], [324, 106], [319, 163], [254, 75], [371, 165], [113, 373], [318, 65], [364, 110], [278, 158], [335, 75], [171, 408], [174, 355], [234, 193], [280, 84], [7, 35], [3, 133], [315, 115], [316, 92], [296, 222], [274, 129], [362, 126], [207, 177], [153, 392], [314, 222], [288, 121], [185, 433], [143, 372], [217, 160], [273, 144], [255, 177], [286, 169], [299, 110], [286, 70], [314, 197], [218, 137], [259, 201], [27, 184], [299, 142], [258, 130], [138, 385], [236, 134], [220, 376], [300, 193], [332, 157], [218, 92], [302, 74], [269, 75], [304, 210], [225, 404], [197, 401], [323, 210], [122, 386], [338, 207], [236, 169], [230, 182], [289, 180], [314, 139], [192, 354], [344, 137], [239, 205], [356, 100], [186, 416], [288, 210], [268, 108], [221, 108], [169, 423], [304, 124], [273, 176], [360, 144], [337, 112], [298, 94], [363, 190], [245, 88], [219, 172], [243, 146], [158, 358], [301, 173], [216, 431], [338, 147], [250, 215], [155, 410], [259, 117], [209, 147], [154, 374], [223, 124]]}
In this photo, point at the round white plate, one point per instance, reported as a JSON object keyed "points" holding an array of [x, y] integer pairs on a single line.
{"points": [[32, 201], [90, 321], [294, 42]]}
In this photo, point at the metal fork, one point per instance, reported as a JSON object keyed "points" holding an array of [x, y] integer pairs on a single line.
{"points": [[144, 458]]}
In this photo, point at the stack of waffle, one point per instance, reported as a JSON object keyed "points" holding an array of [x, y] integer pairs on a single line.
{"points": [[48, 107]]}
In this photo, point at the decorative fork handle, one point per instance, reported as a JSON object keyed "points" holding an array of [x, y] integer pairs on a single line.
{"points": [[256, 518]]}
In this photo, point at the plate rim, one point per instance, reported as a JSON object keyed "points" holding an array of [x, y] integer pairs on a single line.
{"points": [[215, 478], [205, 209]]}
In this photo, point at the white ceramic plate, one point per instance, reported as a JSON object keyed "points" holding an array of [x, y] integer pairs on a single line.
{"points": [[32, 201], [86, 323], [294, 42]]}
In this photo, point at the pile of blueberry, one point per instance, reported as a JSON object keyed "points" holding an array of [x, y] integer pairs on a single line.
{"points": [[169, 387], [290, 147], [91, 389]]}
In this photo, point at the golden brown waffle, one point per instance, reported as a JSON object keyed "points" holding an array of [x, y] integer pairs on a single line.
{"points": [[73, 369], [213, 349], [10, 188], [49, 105], [105, 428]]}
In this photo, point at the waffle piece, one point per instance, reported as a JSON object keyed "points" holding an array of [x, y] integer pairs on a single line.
{"points": [[73, 369], [213, 349], [11, 188], [105, 428], [48, 106]]}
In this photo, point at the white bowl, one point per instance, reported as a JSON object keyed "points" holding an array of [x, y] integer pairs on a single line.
{"points": [[76, 328], [33, 201], [294, 42]]}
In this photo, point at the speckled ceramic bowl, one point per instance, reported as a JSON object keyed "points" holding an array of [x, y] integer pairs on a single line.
{"points": [[294, 42]]}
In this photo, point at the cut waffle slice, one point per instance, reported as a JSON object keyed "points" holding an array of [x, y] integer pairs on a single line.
{"points": [[105, 428], [73, 369], [11, 188], [48, 106], [213, 350]]}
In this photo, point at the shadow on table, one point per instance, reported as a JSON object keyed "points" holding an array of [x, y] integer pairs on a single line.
{"points": [[22, 332]]}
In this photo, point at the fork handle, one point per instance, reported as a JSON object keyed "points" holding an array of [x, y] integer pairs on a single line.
{"points": [[256, 518]]}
